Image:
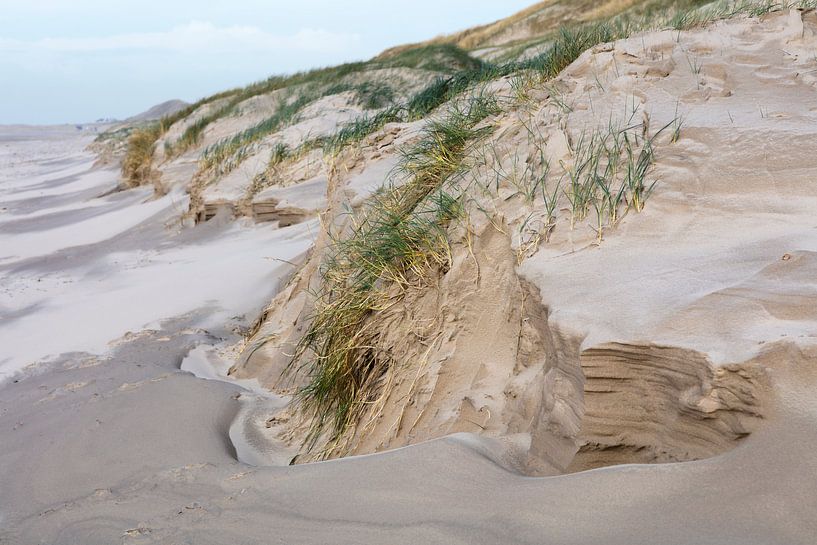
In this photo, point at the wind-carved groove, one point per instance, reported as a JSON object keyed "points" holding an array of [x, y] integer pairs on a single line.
{"points": [[652, 404]]}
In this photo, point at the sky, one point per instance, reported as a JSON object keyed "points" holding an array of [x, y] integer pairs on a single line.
{"points": [[74, 61]]}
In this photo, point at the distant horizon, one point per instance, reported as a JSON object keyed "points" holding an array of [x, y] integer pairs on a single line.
{"points": [[77, 63]]}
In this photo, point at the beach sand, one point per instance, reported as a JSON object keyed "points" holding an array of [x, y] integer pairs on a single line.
{"points": [[118, 323]]}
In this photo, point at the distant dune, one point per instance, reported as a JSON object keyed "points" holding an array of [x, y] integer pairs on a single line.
{"points": [[159, 111]]}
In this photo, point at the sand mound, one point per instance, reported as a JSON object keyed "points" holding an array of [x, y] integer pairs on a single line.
{"points": [[641, 348]]}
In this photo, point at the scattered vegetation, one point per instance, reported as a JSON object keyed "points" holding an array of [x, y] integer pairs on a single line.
{"points": [[192, 134], [360, 128], [312, 86], [373, 95], [444, 90], [326, 78], [228, 153], [608, 173], [398, 239], [443, 58], [316, 83], [280, 153], [528, 181]]}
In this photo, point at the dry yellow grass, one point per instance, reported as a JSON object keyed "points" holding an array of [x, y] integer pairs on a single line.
{"points": [[535, 20], [608, 9], [137, 165], [480, 36]]}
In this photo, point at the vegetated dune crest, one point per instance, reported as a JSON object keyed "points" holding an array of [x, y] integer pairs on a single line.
{"points": [[526, 29]]}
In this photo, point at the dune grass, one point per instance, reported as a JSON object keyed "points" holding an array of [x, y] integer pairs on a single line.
{"points": [[565, 50], [280, 153], [370, 95], [725, 9], [349, 134], [445, 89], [608, 173], [192, 134], [444, 58], [373, 95], [328, 78], [357, 130], [226, 154], [137, 167], [137, 163], [328, 81], [399, 238], [565, 47]]}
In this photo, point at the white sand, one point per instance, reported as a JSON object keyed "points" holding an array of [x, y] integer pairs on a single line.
{"points": [[79, 270]]}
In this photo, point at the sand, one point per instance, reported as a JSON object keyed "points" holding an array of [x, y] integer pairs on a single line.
{"points": [[82, 262], [643, 346], [139, 456], [697, 342]]}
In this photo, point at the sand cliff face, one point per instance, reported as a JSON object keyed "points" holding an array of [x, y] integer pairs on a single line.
{"points": [[646, 404], [639, 348]]}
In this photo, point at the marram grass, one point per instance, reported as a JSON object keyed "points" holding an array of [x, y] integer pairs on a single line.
{"points": [[444, 59], [137, 167], [399, 238]]}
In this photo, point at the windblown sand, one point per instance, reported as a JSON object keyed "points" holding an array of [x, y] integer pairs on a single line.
{"points": [[688, 333]]}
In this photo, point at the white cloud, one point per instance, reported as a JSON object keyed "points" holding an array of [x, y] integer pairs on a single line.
{"points": [[195, 36]]}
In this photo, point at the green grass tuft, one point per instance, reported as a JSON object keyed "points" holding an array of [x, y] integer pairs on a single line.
{"points": [[398, 239], [359, 129]]}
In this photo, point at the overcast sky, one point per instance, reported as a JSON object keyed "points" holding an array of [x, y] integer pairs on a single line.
{"points": [[80, 60]]}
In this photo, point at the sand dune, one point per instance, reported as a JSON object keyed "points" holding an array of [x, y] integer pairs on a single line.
{"points": [[564, 378], [641, 347]]}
